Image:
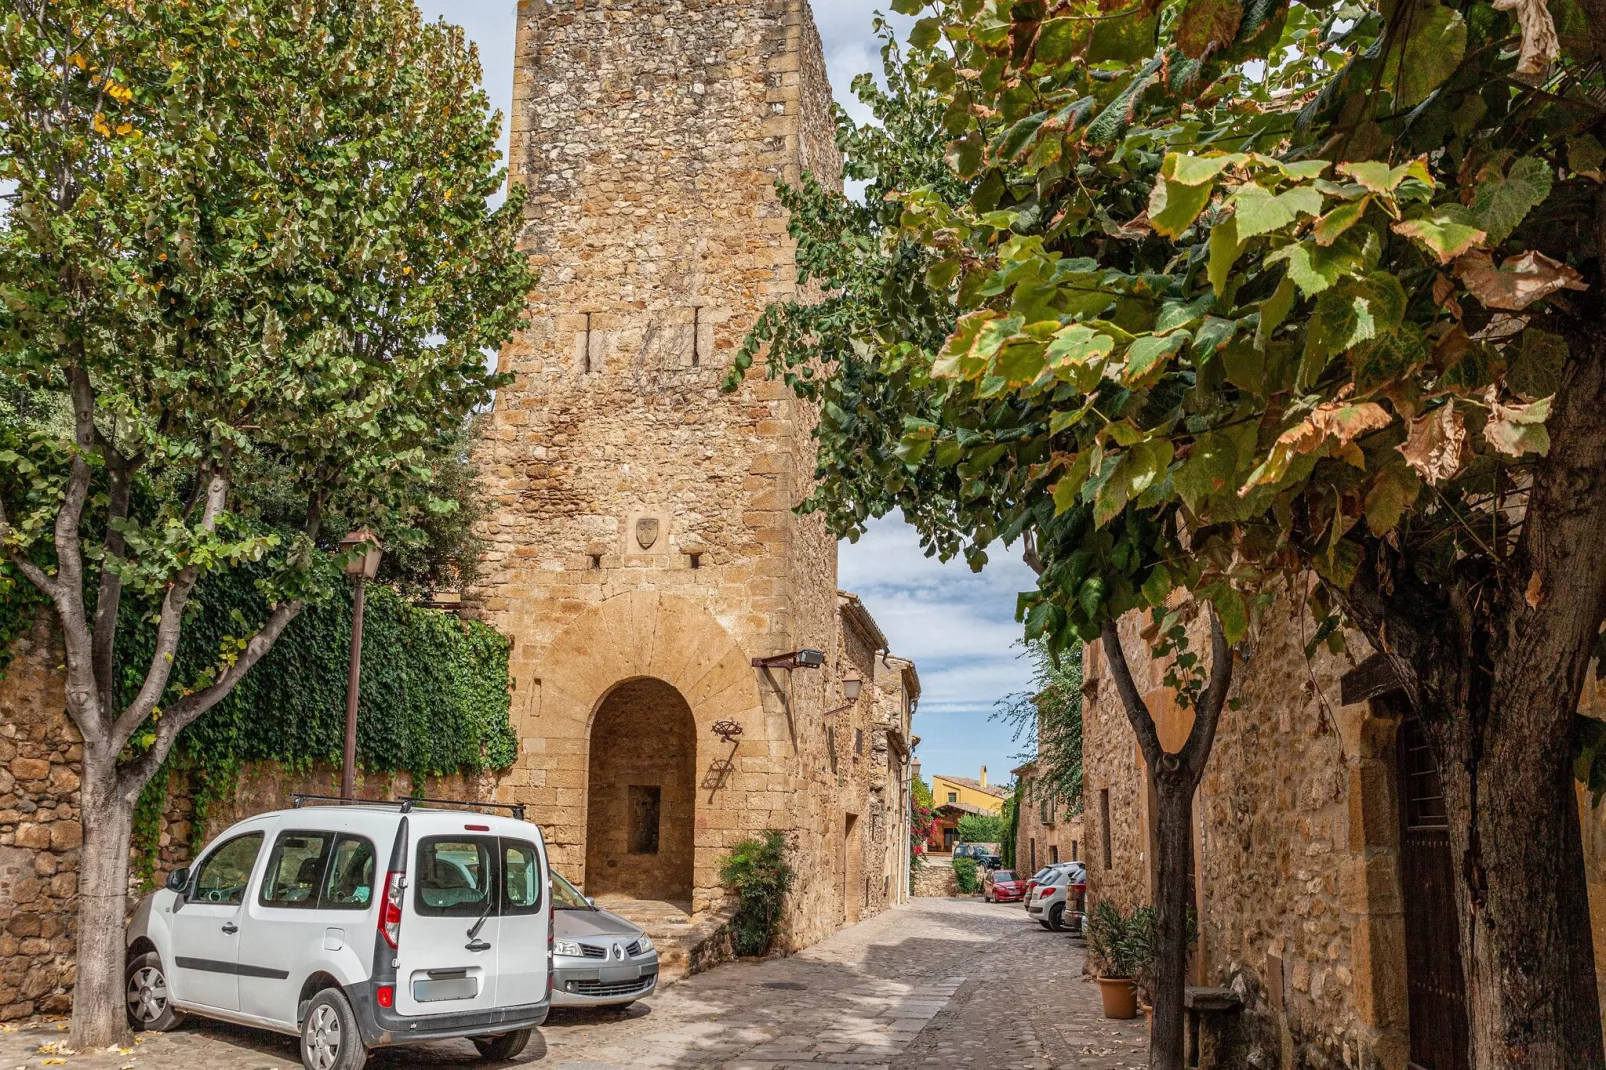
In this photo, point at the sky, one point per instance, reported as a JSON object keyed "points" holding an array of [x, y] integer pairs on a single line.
{"points": [[958, 627]]}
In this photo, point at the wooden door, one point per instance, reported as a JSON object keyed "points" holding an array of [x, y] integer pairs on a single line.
{"points": [[1434, 982], [852, 870]]}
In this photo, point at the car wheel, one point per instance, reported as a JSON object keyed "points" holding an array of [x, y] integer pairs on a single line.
{"points": [[329, 1036], [149, 1009], [1056, 917], [502, 1047]]}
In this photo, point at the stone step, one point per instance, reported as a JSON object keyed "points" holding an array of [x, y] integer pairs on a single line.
{"points": [[682, 938]]}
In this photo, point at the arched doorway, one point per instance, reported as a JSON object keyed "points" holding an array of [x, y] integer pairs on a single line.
{"points": [[641, 798]]}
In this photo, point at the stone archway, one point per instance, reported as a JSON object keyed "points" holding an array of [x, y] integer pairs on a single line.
{"points": [[641, 794]]}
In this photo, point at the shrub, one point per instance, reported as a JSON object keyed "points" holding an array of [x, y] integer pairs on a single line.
{"points": [[757, 873], [1109, 940], [967, 875], [981, 828]]}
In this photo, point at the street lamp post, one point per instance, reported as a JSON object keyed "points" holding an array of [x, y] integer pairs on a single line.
{"points": [[361, 567]]}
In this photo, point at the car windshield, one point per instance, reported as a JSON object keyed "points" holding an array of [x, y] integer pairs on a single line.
{"points": [[566, 896], [1002, 875]]}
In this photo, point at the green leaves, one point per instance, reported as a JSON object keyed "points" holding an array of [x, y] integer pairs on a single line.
{"points": [[1502, 201], [1350, 313], [1447, 231], [1430, 55]]}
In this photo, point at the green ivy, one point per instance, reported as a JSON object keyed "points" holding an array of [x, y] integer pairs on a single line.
{"points": [[967, 876], [433, 699]]}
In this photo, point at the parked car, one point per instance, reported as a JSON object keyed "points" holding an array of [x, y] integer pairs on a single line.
{"points": [[1056, 901], [1042, 875], [1002, 886], [979, 851], [287, 922], [598, 959]]}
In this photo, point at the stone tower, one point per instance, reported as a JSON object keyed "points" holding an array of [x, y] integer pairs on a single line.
{"points": [[643, 548]]}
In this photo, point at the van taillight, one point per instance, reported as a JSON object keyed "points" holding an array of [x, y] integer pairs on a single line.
{"points": [[385, 996], [390, 911]]}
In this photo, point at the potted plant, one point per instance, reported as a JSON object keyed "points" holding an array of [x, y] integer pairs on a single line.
{"points": [[1109, 944]]}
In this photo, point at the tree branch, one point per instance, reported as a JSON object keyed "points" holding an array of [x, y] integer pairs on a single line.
{"points": [[1136, 711], [1207, 716], [109, 600], [134, 776], [1029, 553], [170, 625]]}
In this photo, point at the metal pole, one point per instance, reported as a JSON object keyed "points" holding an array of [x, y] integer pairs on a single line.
{"points": [[348, 765]]}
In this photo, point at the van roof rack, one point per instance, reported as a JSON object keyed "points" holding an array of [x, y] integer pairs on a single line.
{"points": [[406, 806]]}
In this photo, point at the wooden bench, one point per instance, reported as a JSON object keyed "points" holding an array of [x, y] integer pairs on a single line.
{"points": [[1208, 1014]]}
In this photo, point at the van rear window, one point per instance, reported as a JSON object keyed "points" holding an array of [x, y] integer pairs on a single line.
{"points": [[456, 875]]}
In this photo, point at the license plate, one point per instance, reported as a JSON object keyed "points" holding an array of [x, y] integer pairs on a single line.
{"points": [[615, 974], [446, 988]]}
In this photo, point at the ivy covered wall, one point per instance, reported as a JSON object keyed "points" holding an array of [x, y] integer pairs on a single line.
{"points": [[433, 700]]}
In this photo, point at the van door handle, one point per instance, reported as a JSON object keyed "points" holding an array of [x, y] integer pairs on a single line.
{"points": [[230, 928], [477, 946]]}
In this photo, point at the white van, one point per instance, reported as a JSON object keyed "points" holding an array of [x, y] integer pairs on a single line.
{"points": [[355, 927]]}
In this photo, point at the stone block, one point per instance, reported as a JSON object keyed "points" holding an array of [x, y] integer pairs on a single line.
{"points": [[31, 835], [30, 768], [66, 835]]}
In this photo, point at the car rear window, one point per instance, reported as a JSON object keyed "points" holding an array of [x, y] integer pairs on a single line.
{"points": [[456, 875], [521, 868], [1002, 875]]}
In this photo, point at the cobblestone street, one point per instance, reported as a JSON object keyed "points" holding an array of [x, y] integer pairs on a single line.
{"points": [[939, 983]]}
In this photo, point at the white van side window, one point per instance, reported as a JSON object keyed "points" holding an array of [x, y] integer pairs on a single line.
{"points": [[351, 875], [223, 877]]}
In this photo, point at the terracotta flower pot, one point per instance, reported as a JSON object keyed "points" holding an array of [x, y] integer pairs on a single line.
{"points": [[1120, 997]]}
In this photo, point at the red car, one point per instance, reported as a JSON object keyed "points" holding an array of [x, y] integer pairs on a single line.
{"points": [[1002, 886]]}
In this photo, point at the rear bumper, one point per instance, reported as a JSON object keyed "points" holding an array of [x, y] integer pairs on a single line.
{"points": [[381, 1027]]}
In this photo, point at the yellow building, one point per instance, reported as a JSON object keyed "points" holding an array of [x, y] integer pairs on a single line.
{"points": [[962, 790]]}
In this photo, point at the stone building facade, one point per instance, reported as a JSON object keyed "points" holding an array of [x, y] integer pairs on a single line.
{"points": [[644, 552], [1047, 829], [1310, 901], [644, 557]]}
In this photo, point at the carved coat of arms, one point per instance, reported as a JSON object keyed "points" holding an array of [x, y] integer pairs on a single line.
{"points": [[647, 532]]}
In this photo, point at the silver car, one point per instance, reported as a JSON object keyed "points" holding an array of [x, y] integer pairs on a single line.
{"points": [[599, 959], [1053, 903]]}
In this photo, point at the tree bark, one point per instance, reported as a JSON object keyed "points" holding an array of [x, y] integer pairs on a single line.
{"points": [[1174, 777], [107, 813], [1173, 858]]}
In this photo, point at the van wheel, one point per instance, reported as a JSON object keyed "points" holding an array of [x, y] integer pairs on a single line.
{"points": [[149, 1009], [504, 1046], [1056, 917], [329, 1036]]}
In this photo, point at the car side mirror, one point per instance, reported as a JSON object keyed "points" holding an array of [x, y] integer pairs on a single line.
{"points": [[591, 900], [178, 881]]}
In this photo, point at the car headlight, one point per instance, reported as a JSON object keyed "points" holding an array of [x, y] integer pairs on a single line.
{"points": [[646, 943], [566, 947]]}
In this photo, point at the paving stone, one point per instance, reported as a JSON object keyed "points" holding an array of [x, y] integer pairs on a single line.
{"points": [[883, 994]]}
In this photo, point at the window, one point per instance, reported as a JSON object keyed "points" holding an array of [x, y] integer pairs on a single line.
{"points": [[1046, 810], [1076, 854], [223, 877], [953, 796], [521, 880], [646, 808], [351, 875], [858, 742], [1104, 823], [1033, 852], [454, 876], [304, 873], [1053, 854], [295, 870]]}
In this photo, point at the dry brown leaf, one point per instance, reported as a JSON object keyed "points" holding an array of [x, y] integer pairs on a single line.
{"points": [[1516, 283], [1536, 591], [1349, 422], [1435, 444], [1540, 44]]}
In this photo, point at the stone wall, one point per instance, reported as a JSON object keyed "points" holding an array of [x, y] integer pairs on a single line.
{"points": [[39, 833], [1296, 845]]}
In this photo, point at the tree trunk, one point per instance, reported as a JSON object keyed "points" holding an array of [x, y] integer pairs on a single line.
{"points": [[1174, 859], [107, 812]]}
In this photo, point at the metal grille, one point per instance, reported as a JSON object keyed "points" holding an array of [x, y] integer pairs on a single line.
{"points": [[614, 988], [592, 951], [633, 948]]}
